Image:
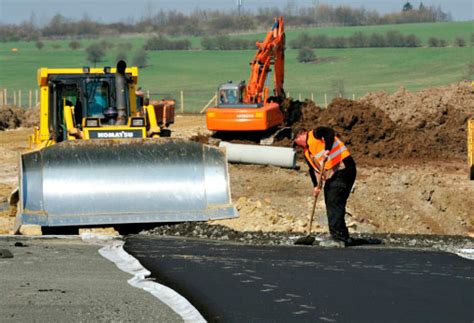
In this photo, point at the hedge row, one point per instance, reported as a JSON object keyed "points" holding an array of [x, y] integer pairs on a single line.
{"points": [[357, 40], [163, 43]]}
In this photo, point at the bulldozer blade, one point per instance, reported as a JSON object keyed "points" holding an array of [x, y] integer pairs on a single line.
{"points": [[95, 182]]}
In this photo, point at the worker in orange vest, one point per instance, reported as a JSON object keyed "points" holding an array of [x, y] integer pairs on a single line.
{"points": [[322, 146]]}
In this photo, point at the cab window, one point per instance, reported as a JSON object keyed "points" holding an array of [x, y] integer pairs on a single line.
{"points": [[97, 98]]}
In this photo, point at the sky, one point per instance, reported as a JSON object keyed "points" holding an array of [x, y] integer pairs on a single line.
{"points": [[17, 11]]}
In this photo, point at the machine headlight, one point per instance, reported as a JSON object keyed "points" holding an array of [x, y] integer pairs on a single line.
{"points": [[259, 115], [91, 123], [138, 122], [211, 114]]}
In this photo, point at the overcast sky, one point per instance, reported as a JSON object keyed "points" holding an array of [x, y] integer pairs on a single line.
{"points": [[16, 11]]}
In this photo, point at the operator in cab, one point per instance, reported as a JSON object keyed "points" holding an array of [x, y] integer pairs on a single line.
{"points": [[228, 97], [97, 105]]}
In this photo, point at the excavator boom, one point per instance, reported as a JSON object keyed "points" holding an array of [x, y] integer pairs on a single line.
{"points": [[270, 52]]}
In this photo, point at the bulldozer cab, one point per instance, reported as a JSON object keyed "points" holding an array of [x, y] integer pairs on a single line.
{"points": [[89, 96]]}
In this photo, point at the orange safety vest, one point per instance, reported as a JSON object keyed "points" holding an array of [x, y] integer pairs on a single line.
{"points": [[315, 150]]}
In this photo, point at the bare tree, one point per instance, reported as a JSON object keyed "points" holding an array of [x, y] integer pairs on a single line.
{"points": [[121, 56], [338, 88], [95, 53], [39, 44], [141, 58], [74, 45], [459, 42], [306, 55], [407, 6]]}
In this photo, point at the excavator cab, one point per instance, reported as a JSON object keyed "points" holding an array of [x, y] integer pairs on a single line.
{"points": [[231, 94]]}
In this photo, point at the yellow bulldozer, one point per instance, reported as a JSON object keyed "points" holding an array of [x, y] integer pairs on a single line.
{"points": [[98, 158]]}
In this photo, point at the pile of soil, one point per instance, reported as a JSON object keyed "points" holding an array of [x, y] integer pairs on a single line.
{"points": [[203, 139], [13, 117], [9, 118], [425, 109], [427, 124], [365, 128]]}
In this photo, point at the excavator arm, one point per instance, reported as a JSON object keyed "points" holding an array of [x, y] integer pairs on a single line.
{"points": [[270, 52]]}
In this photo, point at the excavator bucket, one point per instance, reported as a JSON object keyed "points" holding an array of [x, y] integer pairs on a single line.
{"points": [[97, 182]]}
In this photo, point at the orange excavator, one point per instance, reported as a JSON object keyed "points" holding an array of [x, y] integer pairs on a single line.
{"points": [[248, 107]]}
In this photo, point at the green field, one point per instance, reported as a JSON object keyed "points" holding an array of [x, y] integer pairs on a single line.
{"points": [[198, 73]]}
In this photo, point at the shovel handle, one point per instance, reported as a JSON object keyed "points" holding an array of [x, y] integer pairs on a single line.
{"points": [[320, 185], [312, 214]]}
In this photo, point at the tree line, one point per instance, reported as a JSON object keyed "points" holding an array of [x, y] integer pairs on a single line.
{"points": [[359, 39], [215, 22]]}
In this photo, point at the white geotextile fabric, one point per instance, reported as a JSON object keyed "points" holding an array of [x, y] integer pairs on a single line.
{"points": [[114, 252]]}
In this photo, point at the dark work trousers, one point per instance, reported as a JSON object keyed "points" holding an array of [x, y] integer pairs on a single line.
{"points": [[336, 193]]}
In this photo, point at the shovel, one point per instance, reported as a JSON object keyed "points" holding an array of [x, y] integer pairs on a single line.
{"points": [[309, 239]]}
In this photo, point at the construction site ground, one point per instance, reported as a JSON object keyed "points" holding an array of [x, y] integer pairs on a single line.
{"points": [[423, 196], [410, 150]]}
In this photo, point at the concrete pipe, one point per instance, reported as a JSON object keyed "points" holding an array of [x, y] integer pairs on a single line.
{"points": [[264, 155]]}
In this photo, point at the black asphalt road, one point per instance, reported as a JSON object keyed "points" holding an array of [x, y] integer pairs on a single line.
{"points": [[228, 282]]}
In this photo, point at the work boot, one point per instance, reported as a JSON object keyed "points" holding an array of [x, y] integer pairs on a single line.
{"points": [[351, 242], [331, 243]]}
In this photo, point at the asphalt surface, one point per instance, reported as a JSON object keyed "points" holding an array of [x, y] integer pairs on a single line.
{"points": [[67, 280], [229, 282]]}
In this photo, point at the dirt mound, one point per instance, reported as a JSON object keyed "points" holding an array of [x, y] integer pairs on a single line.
{"points": [[428, 124], [427, 108], [203, 139], [9, 118], [432, 122], [30, 117], [364, 128], [13, 117]]}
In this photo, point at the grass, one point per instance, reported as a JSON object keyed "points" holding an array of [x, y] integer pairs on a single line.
{"points": [[198, 73]]}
